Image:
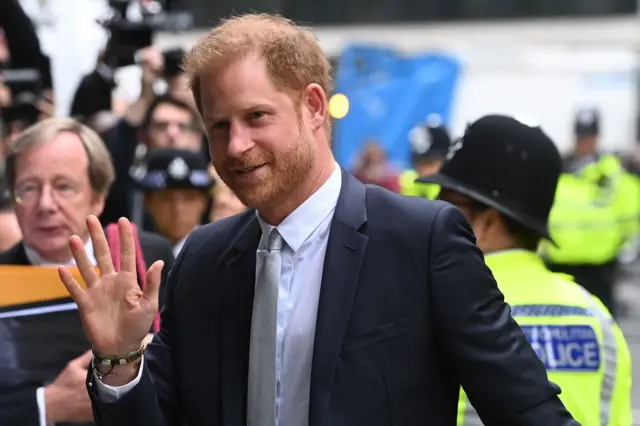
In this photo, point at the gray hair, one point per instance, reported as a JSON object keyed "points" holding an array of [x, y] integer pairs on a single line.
{"points": [[101, 170]]}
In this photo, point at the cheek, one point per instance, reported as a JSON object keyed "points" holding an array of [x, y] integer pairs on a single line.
{"points": [[24, 215], [161, 213], [76, 213], [217, 150]]}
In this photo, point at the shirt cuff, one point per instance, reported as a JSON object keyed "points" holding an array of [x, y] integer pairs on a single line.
{"points": [[42, 407], [113, 393]]}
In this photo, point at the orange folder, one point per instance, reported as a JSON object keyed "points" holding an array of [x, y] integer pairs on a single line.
{"points": [[20, 285]]}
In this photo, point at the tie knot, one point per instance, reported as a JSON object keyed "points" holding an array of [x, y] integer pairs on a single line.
{"points": [[274, 241]]}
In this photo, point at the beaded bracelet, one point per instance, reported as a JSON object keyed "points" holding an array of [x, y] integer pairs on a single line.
{"points": [[115, 360]]}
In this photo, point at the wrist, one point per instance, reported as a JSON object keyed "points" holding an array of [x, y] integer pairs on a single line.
{"points": [[52, 403], [118, 375], [115, 352]]}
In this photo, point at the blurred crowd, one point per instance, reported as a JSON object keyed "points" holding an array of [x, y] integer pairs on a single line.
{"points": [[148, 160], [162, 178]]}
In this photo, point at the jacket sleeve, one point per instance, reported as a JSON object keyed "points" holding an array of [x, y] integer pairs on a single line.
{"points": [[19, 407], [22, 39], [503, 377]]}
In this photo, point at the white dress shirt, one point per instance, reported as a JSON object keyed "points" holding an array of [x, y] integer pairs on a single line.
{"points": [[178, 246], [36, 260], [305, 233]]}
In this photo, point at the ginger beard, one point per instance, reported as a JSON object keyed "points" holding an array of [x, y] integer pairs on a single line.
{"points": [[283, 173]]}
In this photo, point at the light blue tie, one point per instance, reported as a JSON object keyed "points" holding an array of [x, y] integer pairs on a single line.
{"points": [[261, 402]]}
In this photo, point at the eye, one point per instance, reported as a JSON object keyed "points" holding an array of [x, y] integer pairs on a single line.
{"points": [[220, 125], [28, 188], [64, 187], [256, 115]]}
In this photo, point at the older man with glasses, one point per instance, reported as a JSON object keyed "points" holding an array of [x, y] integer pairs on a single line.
{"points": [[58, 172]]}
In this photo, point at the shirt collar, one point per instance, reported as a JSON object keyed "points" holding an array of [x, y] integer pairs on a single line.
{"points": [[178, 246], [299, 225], [36, 260]]}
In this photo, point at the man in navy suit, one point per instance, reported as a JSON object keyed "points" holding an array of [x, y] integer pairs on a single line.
{"points": [[328, 303]]}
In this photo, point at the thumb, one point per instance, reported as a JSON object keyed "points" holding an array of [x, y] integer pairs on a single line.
{"points": [[152, 284], [84, 359]]}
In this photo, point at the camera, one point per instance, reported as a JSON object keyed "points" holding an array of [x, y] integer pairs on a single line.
{"points": [[173, 61], [26, 92], [127, 36]]}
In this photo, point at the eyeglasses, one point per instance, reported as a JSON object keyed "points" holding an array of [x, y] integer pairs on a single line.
{"points": [[31, 193], [162, 126]]}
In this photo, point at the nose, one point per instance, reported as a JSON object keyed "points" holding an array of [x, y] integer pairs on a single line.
{"points": [[173, 130], [239, 141], [47, 201]]}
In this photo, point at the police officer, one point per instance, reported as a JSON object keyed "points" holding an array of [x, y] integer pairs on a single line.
{"points": [[586, 129], [429, 144], [595, 216], [176, 184], [503, 175]]}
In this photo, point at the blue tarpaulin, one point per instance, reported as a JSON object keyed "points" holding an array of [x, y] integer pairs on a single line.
{"points": [[388, 95]]}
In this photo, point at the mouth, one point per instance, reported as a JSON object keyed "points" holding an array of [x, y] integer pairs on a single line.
{"points": [[248, 170], [50, 229]]}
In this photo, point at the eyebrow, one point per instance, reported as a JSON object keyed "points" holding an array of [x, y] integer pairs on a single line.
{"points": [[36, 179], [256, 107]]}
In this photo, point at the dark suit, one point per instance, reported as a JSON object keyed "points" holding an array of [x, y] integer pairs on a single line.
{"points": [[408, 311], [18, 407]]}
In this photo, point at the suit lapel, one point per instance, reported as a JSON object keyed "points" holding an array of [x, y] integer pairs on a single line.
{"points": [[239, 279], [343, 260], [16, 255]]}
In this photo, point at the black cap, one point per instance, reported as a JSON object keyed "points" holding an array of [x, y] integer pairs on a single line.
{"points": [[505, 164], [587, 122], [169, 168], [429, 139]]}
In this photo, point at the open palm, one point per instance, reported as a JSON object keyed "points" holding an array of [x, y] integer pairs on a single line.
{"points": [[116, 313]]}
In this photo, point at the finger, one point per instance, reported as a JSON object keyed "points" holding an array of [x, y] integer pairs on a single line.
{"points": [[152, 284], [127, 246], [72, 286], [84, 360], [100, 246], [86, 268]]}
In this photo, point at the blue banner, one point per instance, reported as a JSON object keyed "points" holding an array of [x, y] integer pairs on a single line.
{"points": [[388, 95]]}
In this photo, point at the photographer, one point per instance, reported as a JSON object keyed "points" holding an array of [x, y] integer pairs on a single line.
{"points": [[20, 52], [9, 230], [151, 122], [21, 43]]}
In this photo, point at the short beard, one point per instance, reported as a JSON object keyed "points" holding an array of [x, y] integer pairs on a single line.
{"points": [[288, 171]]}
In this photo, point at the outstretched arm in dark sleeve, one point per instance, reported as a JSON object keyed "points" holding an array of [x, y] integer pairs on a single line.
{"points": [[495, 363]]}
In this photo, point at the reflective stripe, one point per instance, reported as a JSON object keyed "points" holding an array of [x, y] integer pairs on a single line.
{"points": [[471, 417], [610, 355], [610, 358]]}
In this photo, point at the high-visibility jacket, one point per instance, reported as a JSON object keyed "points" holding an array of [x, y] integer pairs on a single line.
{"points": [[573, 334], [409, 186], [595, 213]]}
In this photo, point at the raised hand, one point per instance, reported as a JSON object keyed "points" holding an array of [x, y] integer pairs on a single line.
{"points": [[116, 313]]}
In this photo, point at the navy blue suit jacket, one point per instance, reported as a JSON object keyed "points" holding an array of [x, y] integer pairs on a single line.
{"points": [[408, 312]]}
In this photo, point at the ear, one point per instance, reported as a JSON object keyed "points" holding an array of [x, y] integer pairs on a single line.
{"points": [[98, 204], [315, 101], [493, 222]]}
